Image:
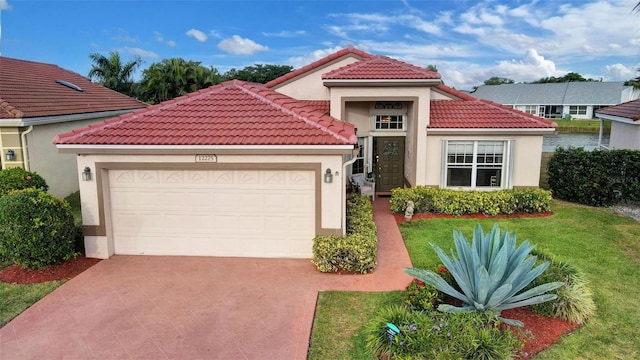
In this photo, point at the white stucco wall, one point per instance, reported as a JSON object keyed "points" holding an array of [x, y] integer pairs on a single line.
{"points": [[526, 155], [59, 170], [624, 136]]}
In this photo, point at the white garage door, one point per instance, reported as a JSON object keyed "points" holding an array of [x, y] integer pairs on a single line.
{"points": [[213, 213]]}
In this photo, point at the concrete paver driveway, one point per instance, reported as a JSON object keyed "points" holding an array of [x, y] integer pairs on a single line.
{"points": [[156, 307]]}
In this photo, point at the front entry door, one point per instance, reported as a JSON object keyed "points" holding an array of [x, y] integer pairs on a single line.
{"points": [[389, 162]]}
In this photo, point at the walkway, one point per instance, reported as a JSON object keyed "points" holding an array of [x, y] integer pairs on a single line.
{"points": [[156, 307]]}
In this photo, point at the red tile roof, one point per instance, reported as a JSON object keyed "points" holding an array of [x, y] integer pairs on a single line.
{"points": [[29, 89], [380, 67], [316, 64], [322, 105], [474, 113], [628, 110], [232, 113]]}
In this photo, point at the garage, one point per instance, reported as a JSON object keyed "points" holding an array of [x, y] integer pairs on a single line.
{"points": [[245, 213]]}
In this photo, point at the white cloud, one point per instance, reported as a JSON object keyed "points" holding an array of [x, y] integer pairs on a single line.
{"points": [[619, 72], [4, 5], [171, 43], [198, 35], [285, 34], [160, 38], [299, 61], [140, 52], [237, 45], [216, 34], [120, 34]]}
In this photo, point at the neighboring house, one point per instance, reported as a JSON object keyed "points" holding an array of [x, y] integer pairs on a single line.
{"points": [[39, 101], [242, 169], [625, 125], [580, 99]]}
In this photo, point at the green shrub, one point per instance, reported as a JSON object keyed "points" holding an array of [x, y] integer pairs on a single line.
{"points": [[36, 228], [420, 296], [596, 178], [460, 202], [434, 335], [355, 252], [575, 299], [18, 179]]}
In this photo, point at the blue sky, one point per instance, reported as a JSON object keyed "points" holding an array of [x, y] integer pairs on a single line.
{"points": [[468, 41]]}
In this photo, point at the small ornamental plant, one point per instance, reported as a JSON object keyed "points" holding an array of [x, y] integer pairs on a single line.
{"points": [[420, 296]]}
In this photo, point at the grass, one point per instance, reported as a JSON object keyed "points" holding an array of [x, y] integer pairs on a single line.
{"points": [[604, 245], [16, 298], [581, 126]]}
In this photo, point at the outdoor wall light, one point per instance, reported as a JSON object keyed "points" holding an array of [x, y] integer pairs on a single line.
{"points": [[328, 176], [86, 174], [10, 155]]}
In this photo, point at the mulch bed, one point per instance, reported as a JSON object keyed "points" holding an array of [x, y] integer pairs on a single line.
{"points": [[400, 217], [16, 274]]}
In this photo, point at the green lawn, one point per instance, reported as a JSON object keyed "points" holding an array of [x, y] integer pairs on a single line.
{"points": [[604, 245], [582, 126], [15, 298]]}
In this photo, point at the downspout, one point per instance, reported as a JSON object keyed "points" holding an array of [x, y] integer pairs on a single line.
{"points": [[344, 191], [25, 153], [600, 134]]}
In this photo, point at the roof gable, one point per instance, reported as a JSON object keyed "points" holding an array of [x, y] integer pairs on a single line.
{"points": [[232, 113], [349, 51], [29, 89], [380, 67], [569, 93]]}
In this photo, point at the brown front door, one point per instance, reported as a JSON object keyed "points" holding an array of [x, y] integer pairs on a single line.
{"points": [[389, 162]]}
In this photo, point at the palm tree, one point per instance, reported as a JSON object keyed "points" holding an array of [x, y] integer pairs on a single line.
{"points": [[175, 77], [113, 73]]}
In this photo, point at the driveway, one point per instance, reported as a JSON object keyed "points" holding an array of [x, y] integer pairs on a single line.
{"points": [[156, 307]]}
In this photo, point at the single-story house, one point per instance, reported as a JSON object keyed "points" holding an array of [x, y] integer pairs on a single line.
{"points": [[39, 101], [625, 125], [580, 99], [243, 169]]}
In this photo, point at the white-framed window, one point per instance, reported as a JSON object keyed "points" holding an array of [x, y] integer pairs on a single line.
{"points": [[358, 167], [389, 122], [475, 163], [531, 109], [578, 110]]}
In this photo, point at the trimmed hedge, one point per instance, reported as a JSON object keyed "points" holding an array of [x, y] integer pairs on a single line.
{"points": [[36, 229], [19, 179], [460, 202], [596, 178], [355, 252]]}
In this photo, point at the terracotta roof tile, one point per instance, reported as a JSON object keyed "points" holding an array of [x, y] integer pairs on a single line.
{"points": [[232, 113], [316, 64], [473, 113], [29, 89], [628, 110], [380, 67]]}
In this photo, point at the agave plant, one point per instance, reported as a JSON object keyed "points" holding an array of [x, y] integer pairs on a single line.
{"points": [[490, 272]]}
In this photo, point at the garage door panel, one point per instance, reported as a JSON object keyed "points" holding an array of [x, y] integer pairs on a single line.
{"points": [[217, 212]]}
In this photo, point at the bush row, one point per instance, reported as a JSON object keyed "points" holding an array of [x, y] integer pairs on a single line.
{"points": [[355, 252], [459, 202], [596, 178], [36, 228]]}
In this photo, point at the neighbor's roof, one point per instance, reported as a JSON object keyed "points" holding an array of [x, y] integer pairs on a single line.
{"points": [[629, 110], [473, 113], [569, 93], [380, 67], [231, 113], [29, 89], [349, 51]]}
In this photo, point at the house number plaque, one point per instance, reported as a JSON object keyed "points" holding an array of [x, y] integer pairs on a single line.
{"points": [[206, 158]]}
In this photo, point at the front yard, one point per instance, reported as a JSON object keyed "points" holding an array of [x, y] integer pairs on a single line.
{"points": [[604, 245]]}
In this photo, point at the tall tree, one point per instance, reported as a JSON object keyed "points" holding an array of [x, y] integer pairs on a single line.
{"points": [[113, 73], [498, 81], [569, 77], [432, 68], [258, 73], [175, 77]]}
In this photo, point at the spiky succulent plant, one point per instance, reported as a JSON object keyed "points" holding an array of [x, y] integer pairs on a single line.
{"points": [[490, 271]]}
